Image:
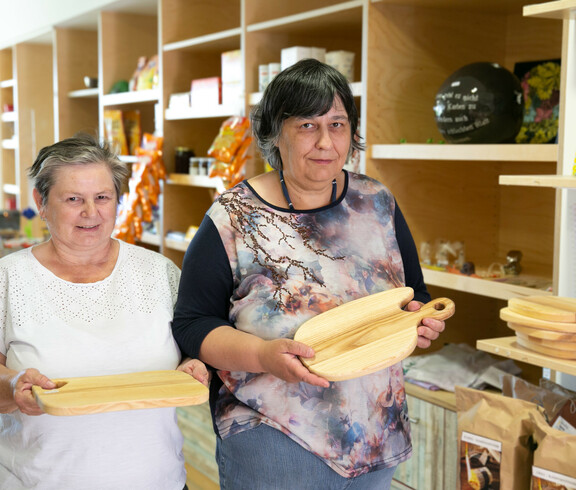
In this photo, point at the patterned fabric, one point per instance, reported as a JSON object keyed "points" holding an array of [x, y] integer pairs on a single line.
{"points": [[287, 268]]}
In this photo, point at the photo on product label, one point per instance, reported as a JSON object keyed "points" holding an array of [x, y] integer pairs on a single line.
{"points": [[480, 460]]}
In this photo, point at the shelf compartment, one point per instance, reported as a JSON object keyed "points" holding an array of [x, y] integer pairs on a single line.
{"points": [[507, 347], [86, 93], [7, 83], [482, 287], [556, 181], [133, 97], [558, 9], [217, 42], [180, 245], [150, 239], [488, 152]]}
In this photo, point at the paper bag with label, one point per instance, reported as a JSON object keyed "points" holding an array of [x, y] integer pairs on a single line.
{"points": [[553, 458], [494, 440]]}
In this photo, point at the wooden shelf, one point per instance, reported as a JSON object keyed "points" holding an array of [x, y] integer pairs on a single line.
{"points": [[11, 189], [128, 158], [150, 239], [557, 181], [338, 14], [7, 83], [10, 144], [444, 399], [254, 98], [180, 245], [134, 97], [197, 181], [481, 287], [87, 93], [507, 347], [9, 116], [203, 113], [505, 153], [218, 41], [558, 9]]}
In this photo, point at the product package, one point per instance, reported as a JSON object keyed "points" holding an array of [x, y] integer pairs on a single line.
{"points": [[553, 466], [114, 132], [494, 440]]}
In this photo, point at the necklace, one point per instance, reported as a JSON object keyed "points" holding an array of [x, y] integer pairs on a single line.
{"points": [[287, 196]]}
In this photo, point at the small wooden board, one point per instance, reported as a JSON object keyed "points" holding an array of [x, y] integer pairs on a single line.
{"points": [[557, 310], [97, 394], [508, 315], [366, 335], [543, 334], [552, 344]]}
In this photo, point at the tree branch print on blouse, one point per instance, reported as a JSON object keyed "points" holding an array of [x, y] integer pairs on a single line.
{"points": [[255, 223]]}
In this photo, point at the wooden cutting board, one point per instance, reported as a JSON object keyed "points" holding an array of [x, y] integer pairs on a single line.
{"points": [[552, 344], [549, 308], [366, 335], [543, 334], [562, 354], [96, 394], [508, 315]]}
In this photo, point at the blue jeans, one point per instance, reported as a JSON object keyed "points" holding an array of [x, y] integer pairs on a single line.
{"points": [[264, 458]]}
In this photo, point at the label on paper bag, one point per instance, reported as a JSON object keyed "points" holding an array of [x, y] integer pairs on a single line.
{"points": [[480, 460], [542, 478]]}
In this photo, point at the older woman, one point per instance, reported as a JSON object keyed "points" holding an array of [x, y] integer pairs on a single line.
{"points": [[273, 252], [84, 304]]}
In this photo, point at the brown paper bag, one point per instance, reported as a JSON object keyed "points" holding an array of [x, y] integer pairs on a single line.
{"points": [[494, 440], [553, 458]]}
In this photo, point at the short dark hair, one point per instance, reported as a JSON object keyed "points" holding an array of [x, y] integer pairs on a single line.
{"points": [[307, 88], [81, 149]]}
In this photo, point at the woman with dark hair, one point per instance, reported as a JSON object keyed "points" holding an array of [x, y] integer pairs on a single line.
{"points": [[273, 252], [85, 304]]}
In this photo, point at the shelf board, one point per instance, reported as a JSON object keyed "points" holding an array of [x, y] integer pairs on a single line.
{"points": [[255, 97], [567, 181], [7, 83], [128, 158], [507, 153], [507, 347], [442, 398], [86, 93], [197, 181], [9, 144], [202, 113], [481, 287], [339, 14], [11, 116], [217, 41], [11, 189], [558, 9], [180, 245], [133, 97], [150, 239]]}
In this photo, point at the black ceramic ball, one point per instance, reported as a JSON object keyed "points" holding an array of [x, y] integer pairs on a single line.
{"points": [[480, 103]]}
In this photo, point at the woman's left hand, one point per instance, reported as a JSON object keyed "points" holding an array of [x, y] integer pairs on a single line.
{"points": [[196, 369], [429, 328]]}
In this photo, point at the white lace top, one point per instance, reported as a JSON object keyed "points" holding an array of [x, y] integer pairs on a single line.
{"points": [[118, 325]]}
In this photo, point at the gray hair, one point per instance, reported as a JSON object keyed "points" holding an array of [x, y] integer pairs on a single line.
{"points": [[305, 89], [81, 149]]}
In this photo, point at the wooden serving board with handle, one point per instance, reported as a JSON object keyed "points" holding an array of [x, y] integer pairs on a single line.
{"points": [[549, 308], [96, 394], [508, 315], [552, 344], [525, 341], [366, 335]]}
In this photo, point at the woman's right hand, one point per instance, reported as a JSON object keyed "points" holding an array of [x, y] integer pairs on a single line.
{"points": [[21, 385], [280, 357]]}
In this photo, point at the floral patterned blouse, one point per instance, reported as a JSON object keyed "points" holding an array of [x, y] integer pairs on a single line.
{"points": [[266, 270]]}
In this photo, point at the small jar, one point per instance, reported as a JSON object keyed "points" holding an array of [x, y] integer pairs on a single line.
{"points": [[182, 159]]}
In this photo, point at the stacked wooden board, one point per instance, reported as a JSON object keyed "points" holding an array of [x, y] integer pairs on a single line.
{"points": [[544, 324]]}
